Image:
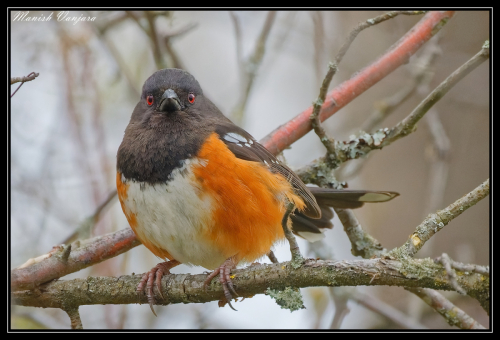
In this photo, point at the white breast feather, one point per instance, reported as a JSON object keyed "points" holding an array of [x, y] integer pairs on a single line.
{"points": [[173, 217]]}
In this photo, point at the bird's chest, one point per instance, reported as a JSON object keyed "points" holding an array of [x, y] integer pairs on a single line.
{"points": [[172, 219]]}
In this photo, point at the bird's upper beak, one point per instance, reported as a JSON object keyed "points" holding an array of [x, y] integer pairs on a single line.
{"points": [[170, 102]]}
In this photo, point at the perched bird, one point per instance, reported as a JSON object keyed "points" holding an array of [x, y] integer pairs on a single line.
{"points": [[199, 190]]}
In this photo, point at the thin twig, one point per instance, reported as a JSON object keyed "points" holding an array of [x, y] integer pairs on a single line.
{"points": [[380, 307], [297, 258], [397, 55], [422, 76], [154, 40], [74, 316], [180, 31], [272, 257], [362, 243], [483, 270], [237, 33], [84, 229], [440, 157], [318, 40], [327, 141], [103, 27], [251, 66], [341, 310], [368, 23], [109, 43], [452, 276], [452, 314], [435, 222], [24, 79], [361, 145], [29, 77], [384, 107], [408, 124]]}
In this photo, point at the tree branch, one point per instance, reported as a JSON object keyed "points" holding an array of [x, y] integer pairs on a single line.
{"points": [[483, 270], [255, 279], [248, 69], [453, 315], [362, 243], [328, 142], [29, 77], [65, 260], [24, 79], [435, 222], [365, 143], [344, 93], [74, 316], [382, 308]]}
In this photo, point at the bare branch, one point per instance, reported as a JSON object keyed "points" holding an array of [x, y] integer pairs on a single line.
{"points": [[328, 142], [24, 79], [422, 76], [104, 26], [344, 93], [438, 176], [82, 255], [341, 310], [272, 257], [29, 77], [255, 279], [365, 143], [362, 243], [453, 315], [251, 66], [74, 316], [380, 307], [318, 40], [435, 222], [408, 125], [237, 33], [483, 270], [370, 22], [84, 229], [452, 276], [119, 60], [160, 64]]}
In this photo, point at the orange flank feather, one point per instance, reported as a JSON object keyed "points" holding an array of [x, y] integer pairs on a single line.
{"points": [[250, 201], [132, 219]]}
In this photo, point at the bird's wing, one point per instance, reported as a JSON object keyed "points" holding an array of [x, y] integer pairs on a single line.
{"points": [[244, 146]]}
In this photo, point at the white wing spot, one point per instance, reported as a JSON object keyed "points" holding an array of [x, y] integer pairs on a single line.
{"points": [[235, 138]]}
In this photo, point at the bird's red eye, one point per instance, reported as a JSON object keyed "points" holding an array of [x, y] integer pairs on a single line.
{"points": [[149, 100], [191, 98]]}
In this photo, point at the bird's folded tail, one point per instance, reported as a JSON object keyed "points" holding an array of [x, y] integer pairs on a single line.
{"points": [[312, 229]]}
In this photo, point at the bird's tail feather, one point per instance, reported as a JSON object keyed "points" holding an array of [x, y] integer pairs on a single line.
{"points": [[312, 229]]}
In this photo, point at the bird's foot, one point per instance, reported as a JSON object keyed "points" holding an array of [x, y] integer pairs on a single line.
{"points": [[154, 276], [225, 279]]}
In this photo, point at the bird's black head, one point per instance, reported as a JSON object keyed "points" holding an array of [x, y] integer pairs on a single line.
{"points": [[170, 90]]}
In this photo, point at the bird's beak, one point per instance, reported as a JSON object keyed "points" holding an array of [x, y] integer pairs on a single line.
{"points": [[170, 102]]}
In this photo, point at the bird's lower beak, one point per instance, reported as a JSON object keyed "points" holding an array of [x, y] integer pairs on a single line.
{"points": [[170, 101]]}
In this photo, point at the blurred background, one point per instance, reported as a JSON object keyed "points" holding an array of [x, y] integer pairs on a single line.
{"points": [[261, 70]]}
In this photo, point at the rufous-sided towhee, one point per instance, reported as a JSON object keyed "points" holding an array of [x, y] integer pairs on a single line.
{"points": [[199, 190]]}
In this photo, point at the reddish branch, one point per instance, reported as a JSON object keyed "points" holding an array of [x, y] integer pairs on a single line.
{"points": [[105, 247], [64, 260], [340, 96]]}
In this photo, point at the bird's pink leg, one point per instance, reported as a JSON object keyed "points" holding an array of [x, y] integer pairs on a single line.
{"points": [[224, 278], [154, 275]]}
